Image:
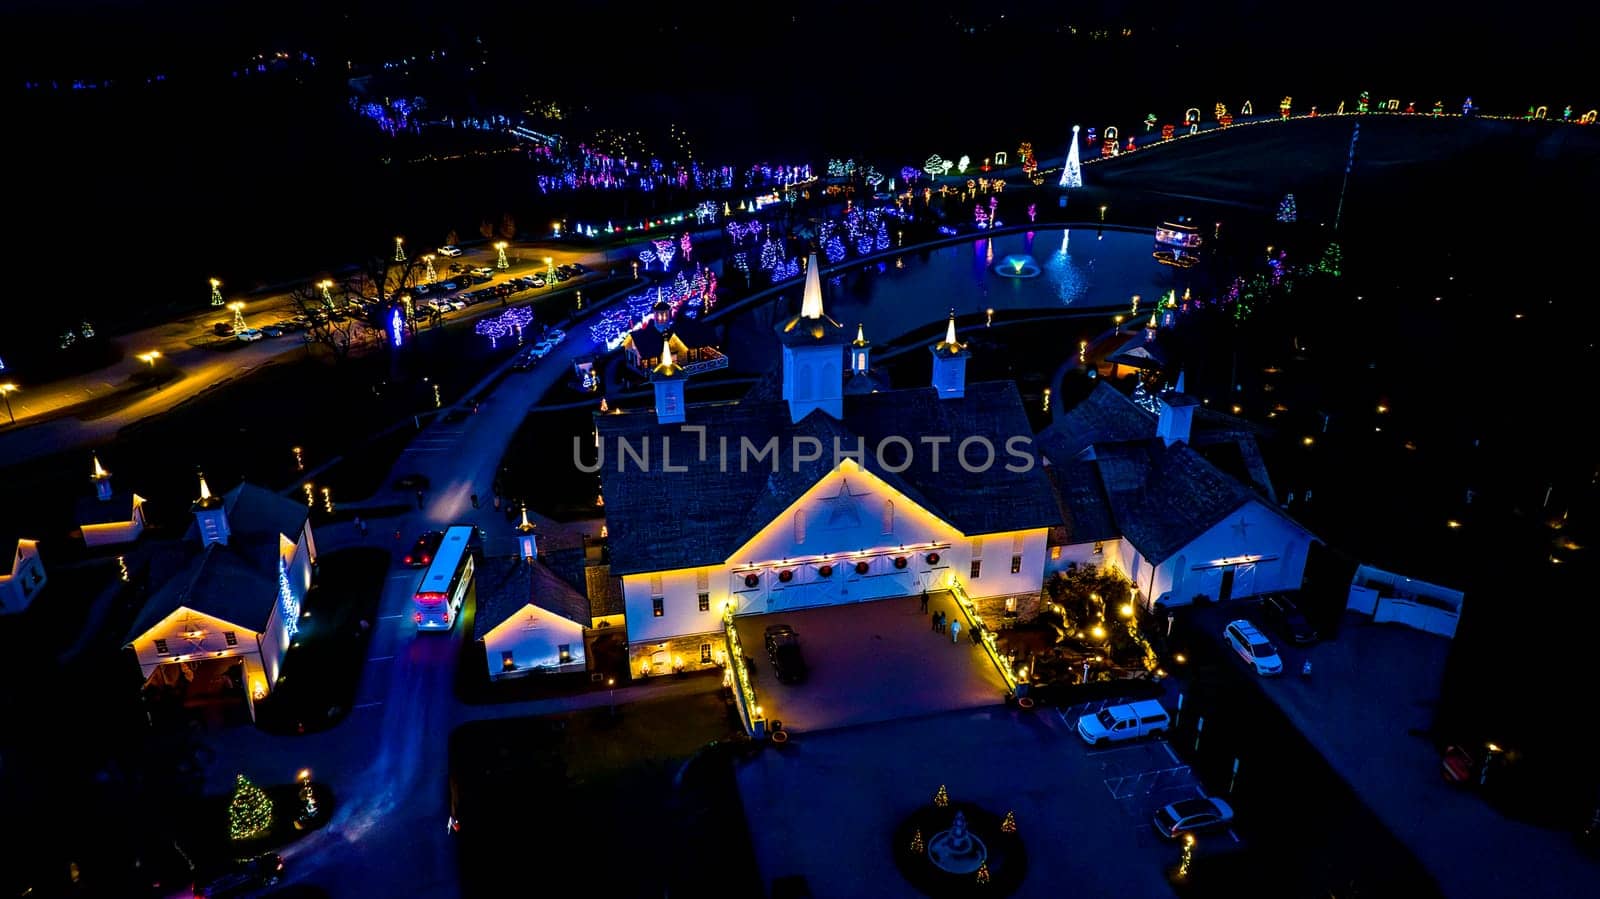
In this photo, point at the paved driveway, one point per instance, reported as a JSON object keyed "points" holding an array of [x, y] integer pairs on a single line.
{"points": [[824, 807], [871, 661]]}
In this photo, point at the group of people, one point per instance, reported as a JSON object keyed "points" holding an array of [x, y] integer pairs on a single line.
{"points": [[943, 624]]}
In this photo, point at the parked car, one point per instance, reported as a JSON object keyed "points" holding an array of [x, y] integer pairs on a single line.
{"points": [[250, 335], [421, 289], [1284, 616], [1115, 723], [541, 349], [783, 649], [413, 481], [222, 329], [1253, 646], [272, 331], [555, 336], [457, 304], [524, 360], [423, 550], [536, 281], [578, 268], [483, 271], [561, 275], [1190, 815], [451, 285], [243, 877], [457, 267], [450, 250]]}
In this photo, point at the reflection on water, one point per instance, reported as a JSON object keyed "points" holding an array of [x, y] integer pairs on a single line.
{"points": [[1084, 269]]}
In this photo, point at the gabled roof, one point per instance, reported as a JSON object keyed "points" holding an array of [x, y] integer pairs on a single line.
{"points": [[92, 510], [1085, 511], [1140, 353], [508, 584], [1104, 416], [1163, 497], [605, 591], [237, 583], [664, 520]]}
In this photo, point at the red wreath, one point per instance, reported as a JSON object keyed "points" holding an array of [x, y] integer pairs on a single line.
{"points": [[933, 558], [786, 575], [751, 580], [899, 561], [825, 571], [862, 568]]}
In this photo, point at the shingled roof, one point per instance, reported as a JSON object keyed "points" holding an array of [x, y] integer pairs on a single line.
{"points": [[237, 583], [663, 520], [1104, 416], [508, 584], [1163, 497]]}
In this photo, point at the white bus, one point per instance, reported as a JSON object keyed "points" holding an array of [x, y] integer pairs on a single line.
{"points": [[448, 582]]}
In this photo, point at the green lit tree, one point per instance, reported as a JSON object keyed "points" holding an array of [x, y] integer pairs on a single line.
{"points": [[249, 812], [1332, 262]]}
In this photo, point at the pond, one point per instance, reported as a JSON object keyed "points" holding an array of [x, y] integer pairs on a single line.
{"points": [[1082, 269]]}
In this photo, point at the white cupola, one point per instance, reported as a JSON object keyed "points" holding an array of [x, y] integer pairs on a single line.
{"points": [[211, 515], [813, 361], [102, 481], [950, 364], [668, 380]]}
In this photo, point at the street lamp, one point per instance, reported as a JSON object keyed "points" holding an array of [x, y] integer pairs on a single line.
{"points": [[1102, 213], [612, 683], [216, 293], [149, 358], [501, 262], [989, 319], [6, 390]]}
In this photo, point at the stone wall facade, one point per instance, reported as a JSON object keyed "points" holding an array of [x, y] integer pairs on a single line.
{"points": [[663, 656], [995, 614]]}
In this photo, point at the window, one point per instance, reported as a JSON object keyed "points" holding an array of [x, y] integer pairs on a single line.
{"points": [[232, 639], [705, 653], [705, 602], [564, 651], [1055, 552], [977, 568], [656, 606], [888, 516], [506, 661], [161, 648], [1099, 547], [1011, 605], [1016, 564]]}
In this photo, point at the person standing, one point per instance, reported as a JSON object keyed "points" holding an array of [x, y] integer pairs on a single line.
{"points": [[474, 500], [955, 630], [419, 498], [361, 526], [924, 601], [935, 622]]}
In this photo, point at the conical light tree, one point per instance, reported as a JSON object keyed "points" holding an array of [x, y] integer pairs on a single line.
{"points": [[249, 811], [1072, 171], [1286, 210]]}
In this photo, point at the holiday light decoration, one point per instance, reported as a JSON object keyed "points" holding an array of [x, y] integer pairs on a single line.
{"points": [[685, 245], [941, 797], [1072, 169], [1029, 164], [1167, 131], [961, 166], [500, 262], [1284, 106], [917, 846], [1009, 825], [399, 249], [665, 250], [216, 292], [933, 166], [1033, 212], [982, 876], [510, 322], [1286, 209], [771, 255], [396, 327], [249, 811], [287, 602]]}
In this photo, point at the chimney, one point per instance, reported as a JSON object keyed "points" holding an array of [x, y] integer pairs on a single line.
{"points": [[950, 364], [211, 516], [102, 481], [668, 380], [860, 348], [1177, 414]]}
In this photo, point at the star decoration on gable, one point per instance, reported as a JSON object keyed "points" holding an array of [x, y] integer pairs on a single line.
{"points": [[842, 510], [532, 622], [193, 629], [1241, 528]]}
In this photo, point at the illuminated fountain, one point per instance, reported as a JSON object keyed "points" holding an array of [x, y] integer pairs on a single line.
{"points": [[957, 850], [1015, 266]]}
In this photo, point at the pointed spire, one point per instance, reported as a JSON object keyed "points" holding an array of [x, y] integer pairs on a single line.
{"points": [[811, 300], [1179, 387], [950, 342], [205, 491], [99, 473], [666, 354], [861, 335], [667, 367], [526, 525]]}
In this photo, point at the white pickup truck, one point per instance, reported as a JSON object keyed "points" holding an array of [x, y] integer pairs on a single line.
{"points": [[1116, 723]]}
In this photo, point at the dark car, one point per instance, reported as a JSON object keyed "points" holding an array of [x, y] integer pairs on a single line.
{"points": [[413, 481], [222, 329], [783, 649], [244, 876], [1284, 617], [525, 359], [421, 554]]}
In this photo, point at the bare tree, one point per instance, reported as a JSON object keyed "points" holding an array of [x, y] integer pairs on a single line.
{"points": [[356, 311], [486, 229], [508, 226], [451, 238]]}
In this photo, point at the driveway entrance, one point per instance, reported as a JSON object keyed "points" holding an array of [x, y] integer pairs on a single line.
{"points": [[869, 662]]}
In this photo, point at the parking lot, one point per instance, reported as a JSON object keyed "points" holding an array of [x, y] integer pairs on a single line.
{"points": [[834, 799], [868, 662]]}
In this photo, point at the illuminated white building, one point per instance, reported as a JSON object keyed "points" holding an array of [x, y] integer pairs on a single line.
{"points": [[232, 596]]}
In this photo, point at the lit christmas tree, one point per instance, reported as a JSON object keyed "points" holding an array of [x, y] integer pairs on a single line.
{"points": [[916, 842], [1286, 210], [983, 873], [1072, 169], [1332, 262], [1029, 164], [770, 254], [941, 798], [1009, 825], [249, 811], [833, 247]]}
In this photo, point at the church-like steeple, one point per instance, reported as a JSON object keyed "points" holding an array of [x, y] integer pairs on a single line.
{"points": [[668, 379], [950, 363], [211, 516], [102, 480], [859, 350], [813, 372]]}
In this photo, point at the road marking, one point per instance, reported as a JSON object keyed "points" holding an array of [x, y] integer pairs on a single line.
{"points": [[401, 576], [380, 658], [1170, 754], [387, 617], [368, 705], [1234, 835]]}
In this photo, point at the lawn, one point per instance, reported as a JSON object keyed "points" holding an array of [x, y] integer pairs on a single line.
{"points": [[323, 666], [533, 792]]}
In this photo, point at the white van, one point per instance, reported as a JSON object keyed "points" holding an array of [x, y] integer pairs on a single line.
{"points": [[1115, 723]]}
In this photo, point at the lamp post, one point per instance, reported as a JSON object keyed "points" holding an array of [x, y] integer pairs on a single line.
{"points": [[1102, 213], [611, 683], [6, 390], [501, 262], [216, 292]]}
